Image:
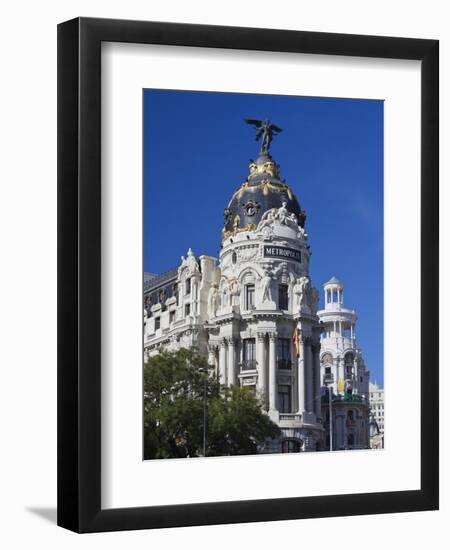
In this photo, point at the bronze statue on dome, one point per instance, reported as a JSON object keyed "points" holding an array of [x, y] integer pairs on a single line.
{"points": [[265, 130]]}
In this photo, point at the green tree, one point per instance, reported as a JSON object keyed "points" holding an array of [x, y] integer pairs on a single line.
{"points": [[178, 388]]}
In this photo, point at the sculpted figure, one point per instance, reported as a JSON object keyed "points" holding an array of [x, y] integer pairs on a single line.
{"points": [[282, 214], [301, 290], [267, 218], [212, 300], [265, 131], [225, 293], [265, 286], [234, 290]]}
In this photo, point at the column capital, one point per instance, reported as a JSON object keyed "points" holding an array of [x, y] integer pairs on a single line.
{"points": [[260, 336], [272, 336], [230, 340]]}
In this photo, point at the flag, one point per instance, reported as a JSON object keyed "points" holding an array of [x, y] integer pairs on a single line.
{"points": [[297, 339]]}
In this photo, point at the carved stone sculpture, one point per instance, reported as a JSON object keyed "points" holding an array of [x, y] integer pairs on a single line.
{"points": [[301, 290], [212, 300], [266, 281]]}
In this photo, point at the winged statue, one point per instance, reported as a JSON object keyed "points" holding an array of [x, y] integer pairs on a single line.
{"points": [[265, 130]]}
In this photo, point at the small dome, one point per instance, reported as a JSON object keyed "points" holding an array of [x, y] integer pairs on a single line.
{"points": [[262, 191], [333, 281]]}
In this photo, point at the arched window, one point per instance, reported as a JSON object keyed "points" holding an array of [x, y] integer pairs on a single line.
{"points": [[349, 358], [348, 364]]}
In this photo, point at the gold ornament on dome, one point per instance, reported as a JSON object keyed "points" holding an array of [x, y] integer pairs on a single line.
{"points": [[237, 229], [268, 167], [266, 186]]}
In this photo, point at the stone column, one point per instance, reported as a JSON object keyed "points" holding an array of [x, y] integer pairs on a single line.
{"points": [[211, 355], [231, 362], [272, 372], [301, 377], [309, 377], [222, 363], [294, 379], [260, 365], [316, 366]]}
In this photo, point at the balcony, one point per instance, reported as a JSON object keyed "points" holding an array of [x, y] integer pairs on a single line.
{"points": [[248, 364], [284, 364], [290, 420], [328, 378]]}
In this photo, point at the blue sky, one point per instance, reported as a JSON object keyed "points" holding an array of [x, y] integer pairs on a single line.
{"points": [[196, 154]]}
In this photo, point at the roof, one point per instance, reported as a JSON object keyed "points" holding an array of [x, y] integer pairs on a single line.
{"points": [[160, 280], [333, 281], [262, 191]]}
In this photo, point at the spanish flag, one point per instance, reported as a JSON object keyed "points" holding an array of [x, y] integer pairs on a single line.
{"points": [[297, 339]]}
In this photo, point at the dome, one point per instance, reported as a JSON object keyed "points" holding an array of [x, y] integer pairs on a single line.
{"points": [[333, 281], [262, 191]]}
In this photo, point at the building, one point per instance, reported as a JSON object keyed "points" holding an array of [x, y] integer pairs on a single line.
{"points": [[344, 372], [243, 310], [376, 400]]}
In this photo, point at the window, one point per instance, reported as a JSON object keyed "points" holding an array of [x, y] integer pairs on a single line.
{"points": [[290, 446], [249, 296], [284, 353], [171, 316], [157, 323], [328, 376], [188, 286], [187, 309], [283, 297], [350, 440], [284, 399], [249, 354]]}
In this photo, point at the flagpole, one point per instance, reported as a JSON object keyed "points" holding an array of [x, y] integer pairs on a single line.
{"points": [[330, 392]]}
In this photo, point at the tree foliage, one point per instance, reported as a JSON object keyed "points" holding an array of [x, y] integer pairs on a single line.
{"points": [[179, 388]]}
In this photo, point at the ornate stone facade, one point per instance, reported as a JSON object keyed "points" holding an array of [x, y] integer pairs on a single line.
{"points": [[253, 312]]}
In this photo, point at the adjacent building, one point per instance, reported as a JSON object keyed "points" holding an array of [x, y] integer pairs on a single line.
{"points": [[344, 373], [376, 400]]}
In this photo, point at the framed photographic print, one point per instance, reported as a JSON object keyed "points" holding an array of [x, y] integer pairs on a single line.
{"points": [[248, 275]]}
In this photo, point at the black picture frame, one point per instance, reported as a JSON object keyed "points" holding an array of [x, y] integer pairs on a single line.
{"points": [[79, 274]]}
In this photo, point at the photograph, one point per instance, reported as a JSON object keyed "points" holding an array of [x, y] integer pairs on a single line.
{"points": [[263, 274]]}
